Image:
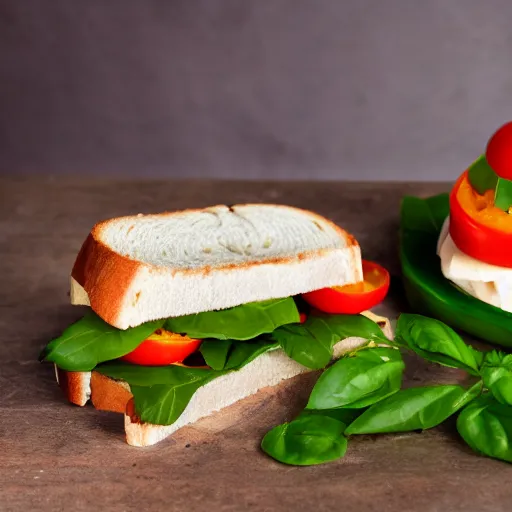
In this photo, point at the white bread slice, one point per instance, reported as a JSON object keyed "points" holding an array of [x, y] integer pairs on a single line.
{"points": [[134, 269], [267, 370]]}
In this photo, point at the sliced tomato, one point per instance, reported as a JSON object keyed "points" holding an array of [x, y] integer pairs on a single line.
{"points": [[477, 227], [353, 298], [162, 348], [302, 317]]}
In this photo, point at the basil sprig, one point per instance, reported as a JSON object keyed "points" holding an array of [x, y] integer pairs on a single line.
{"points": [[436, 342], [486, 426], [363, 388], [413, 409], [359, 381], [496, 373], [311, 343]]}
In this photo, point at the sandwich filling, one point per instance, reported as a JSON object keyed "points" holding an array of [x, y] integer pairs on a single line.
{"points": [[165, 361]]}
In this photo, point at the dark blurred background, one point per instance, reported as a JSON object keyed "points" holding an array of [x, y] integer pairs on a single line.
{"points": [[291, 89]]}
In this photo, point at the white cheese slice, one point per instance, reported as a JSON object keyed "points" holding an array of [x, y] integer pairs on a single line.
{"points": [[489, 283]]}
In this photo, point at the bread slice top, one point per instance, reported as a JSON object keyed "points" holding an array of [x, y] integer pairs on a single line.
{"points": [[140, 268]]}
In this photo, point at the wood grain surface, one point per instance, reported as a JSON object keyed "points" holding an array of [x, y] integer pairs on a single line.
{"points": [[54, 456]]}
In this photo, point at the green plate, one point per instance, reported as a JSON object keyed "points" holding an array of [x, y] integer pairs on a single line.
{"points": [[427, 290]]}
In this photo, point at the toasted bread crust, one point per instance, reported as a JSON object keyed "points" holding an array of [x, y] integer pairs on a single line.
{"points": [[75, 385], [108, 394], [106, 275]]}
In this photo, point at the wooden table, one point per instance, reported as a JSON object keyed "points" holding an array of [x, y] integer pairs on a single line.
{"points": [[54, 456]]}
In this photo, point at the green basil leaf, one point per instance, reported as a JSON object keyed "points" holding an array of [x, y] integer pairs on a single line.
{"points": [[486, 426], [503, 194], [163, 404], [160, 393], [436, 342], [311, 343], [216, 352], [367, 377], [147, 376], [481, 176], [242, 353], [413, 409], [91, 341], [496, 373], [308, 440], [239, 323], [229, 354]]}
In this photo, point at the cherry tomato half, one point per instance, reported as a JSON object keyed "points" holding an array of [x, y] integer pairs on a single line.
{"points": [[353, 298], [162, 348], [477, 227], [499, 152]]}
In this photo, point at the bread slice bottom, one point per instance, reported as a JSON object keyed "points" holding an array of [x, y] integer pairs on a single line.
{"points": [[267, 370]]}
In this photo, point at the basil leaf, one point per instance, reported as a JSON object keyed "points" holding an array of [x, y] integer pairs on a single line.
{"points": [[413, 409], [242, 353], [503, 194], [436, 342], [239, 323], [91, 341], [308, 440], [481, 176], [496, 373], [311, 343], [228, 354], [215, 352], [486, 426], [163, 404], [160, 393], [367, 377], [147, 376]]}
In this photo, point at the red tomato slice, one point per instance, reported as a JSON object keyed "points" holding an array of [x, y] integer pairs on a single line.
{"points": [[302, 317], [162, 348], [478, 228], [353, 298]]}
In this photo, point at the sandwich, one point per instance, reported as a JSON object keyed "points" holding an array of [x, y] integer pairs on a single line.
{"points": [[192, 311], [474, 244]]}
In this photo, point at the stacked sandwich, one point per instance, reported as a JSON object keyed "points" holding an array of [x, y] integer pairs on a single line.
{"points": [[192, 311], [476, 240]]}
